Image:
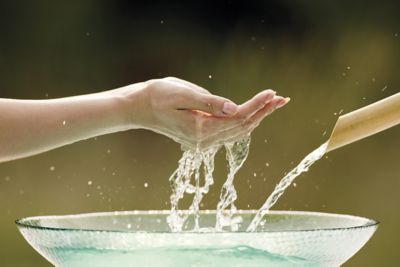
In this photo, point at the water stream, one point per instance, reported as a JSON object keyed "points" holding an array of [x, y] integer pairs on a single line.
{"points": [[189, 178], [285, 183], [236, 155], [194, 176]]}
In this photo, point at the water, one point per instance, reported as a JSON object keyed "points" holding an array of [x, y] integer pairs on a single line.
{"points": [[236, 155], [286, 182], [187, 179], [143, 238], [176, 257], [181, 184]]}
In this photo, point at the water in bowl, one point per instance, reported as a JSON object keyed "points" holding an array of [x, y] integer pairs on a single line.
{"points": [[162, 257], [143, 238]]}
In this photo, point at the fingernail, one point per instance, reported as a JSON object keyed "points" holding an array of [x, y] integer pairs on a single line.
{"points": [[270, 95], [229, 108], [283, 102]]}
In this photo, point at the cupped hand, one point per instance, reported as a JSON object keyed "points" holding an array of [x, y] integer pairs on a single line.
{"points": [[192, 116]]}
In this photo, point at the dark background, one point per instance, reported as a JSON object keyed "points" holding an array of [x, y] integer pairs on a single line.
{"points": [[327, 56]]}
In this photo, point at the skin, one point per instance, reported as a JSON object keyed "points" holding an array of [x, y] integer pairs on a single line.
{"points": [[181, 110]]}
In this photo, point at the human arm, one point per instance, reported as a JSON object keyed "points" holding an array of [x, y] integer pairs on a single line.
{"points": [[181, 110]]}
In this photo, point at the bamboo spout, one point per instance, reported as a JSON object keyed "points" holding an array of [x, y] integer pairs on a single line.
{"points": [[365, 121]]}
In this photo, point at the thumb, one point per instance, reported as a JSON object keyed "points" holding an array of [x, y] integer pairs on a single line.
{"points": [[212, 104]]}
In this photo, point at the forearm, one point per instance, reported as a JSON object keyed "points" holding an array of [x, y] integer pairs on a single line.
{"points": [[29, 127], [176, 108]]}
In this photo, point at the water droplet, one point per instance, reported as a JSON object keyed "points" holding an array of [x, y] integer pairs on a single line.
{"points": [[64, 122], [255, 174], [129, 226], [146, 185], [267, 164], [7, 178], [324, 133], [108, 151], [348, 67], [294, 185], [52, 168], [162, 22], [210, 76], [89, 182]]}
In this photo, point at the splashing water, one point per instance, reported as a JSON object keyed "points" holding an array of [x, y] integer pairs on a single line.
{"points": [[236, 155], [190, 167], [284, 183], [180, 181]]}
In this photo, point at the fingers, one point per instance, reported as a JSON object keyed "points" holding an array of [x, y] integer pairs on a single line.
{"points": [[198, 98], [244, 112], [275, 103], [211, 104], [247, 126], [256, 103]]}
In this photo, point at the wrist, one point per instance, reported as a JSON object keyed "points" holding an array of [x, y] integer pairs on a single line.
{"points": [[132, 105]]}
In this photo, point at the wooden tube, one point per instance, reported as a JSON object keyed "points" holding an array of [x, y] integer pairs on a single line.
{"points": [[365, 121]]}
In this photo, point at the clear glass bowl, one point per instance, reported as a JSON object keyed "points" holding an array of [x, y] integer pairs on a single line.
{"points": [[142, 238]]}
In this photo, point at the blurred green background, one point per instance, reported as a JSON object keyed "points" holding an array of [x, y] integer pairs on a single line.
{"points": [[330, 57]]}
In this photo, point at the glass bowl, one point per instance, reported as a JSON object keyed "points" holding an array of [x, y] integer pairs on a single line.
{"points": [[142, 238]]}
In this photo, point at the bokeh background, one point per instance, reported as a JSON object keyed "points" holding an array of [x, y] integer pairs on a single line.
{"points": [[330, 57]]}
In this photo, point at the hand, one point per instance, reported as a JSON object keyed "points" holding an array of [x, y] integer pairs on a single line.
{"points": [[194, 117], [176, 108]]}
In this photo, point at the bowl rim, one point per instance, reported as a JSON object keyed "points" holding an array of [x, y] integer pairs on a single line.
{"points": [[24, 222]]}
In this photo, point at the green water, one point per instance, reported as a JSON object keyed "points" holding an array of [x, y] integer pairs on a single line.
{"points": [[196, 257]]}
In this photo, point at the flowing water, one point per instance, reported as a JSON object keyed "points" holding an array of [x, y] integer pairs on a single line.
{"points": [[181, 184], [188, 179], [236, 155], [284, 183], [193, 177]]}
